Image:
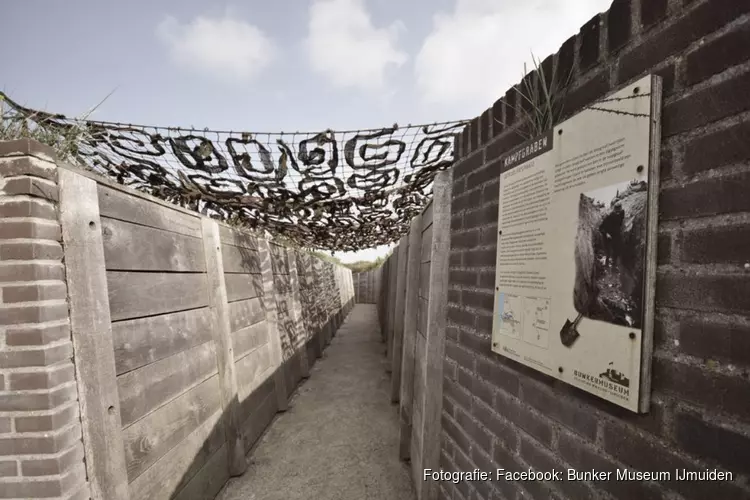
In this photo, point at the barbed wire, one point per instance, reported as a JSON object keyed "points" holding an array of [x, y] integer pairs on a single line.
{"points": [[332, 190]]}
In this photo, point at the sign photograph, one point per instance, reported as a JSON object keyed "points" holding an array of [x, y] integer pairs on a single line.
{"points": [[576, 248]]}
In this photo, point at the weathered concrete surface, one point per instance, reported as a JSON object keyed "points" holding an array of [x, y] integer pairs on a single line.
{"points": [[339, 438]]}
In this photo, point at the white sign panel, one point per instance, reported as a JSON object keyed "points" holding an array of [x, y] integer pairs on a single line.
{"points": [[576, 249]]}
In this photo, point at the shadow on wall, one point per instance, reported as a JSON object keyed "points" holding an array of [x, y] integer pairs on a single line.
{"points": [[207, 463]]}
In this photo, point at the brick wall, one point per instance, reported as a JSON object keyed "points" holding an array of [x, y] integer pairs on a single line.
{"points": [[41, 452], [497, 413]]}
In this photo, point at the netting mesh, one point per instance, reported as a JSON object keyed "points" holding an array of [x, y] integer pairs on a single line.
{"points": [[332, 190]]}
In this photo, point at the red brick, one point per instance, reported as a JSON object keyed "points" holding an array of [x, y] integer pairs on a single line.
{"points": [[508, 461], [457, 222], [584, 457], [491, 193], [467, 165], [718, 55], [27, 207], [50, 421], [504, 432], [668, 77], [34, 293], [461, 440], [717, 392], [468, 278], [499, 376], [484, 174], [586, 93], [715, 196], [708, 105], [461, 317], [485, 464], [715, 339], [459, 355], [511, 107], [464, 489], [35, 313], [459, 396], [475, 132], [478, 435], [29, 335], [43, 356], [465, 141], [481, 217], [54, 465], [31, 271], [537, 426], [30, 250], [699, 22], [565, 62], [647, 454], [527, 90], [503, 144], [663, 249], [498, 117], [724, 147], [618, 24], [484, 323], [477, 300], [653, 11], [727, 447], [588, 52], [487, 279], [477, 343], [455, 260], [710, 293], [578, 418], [541, 459], [716, 245], [488, 237], [39, 229]]}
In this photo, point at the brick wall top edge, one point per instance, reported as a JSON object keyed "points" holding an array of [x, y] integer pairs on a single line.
{"points": [[27, 147], [473, 127]]}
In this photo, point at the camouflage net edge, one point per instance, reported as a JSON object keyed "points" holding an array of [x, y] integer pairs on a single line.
{"points": [[336, 191]]}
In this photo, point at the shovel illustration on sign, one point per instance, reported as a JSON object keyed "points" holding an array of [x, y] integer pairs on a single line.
{"points": [[569, 332]]}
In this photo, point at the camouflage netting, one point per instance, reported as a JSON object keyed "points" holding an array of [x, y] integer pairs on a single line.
{"points": [[339, 191]]}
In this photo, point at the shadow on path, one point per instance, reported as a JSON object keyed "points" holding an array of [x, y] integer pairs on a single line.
{"points": [[339, 438]]}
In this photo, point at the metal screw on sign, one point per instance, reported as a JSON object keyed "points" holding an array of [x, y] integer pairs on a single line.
{"points": [[632, 336], [639, 169], [560, 369]]}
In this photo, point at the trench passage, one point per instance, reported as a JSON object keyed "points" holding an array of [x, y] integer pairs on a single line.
{"points": [[339, 438]]}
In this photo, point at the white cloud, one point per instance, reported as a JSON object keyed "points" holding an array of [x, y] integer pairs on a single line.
{"points": [[226, 48], [475, 53], [345, 47]]}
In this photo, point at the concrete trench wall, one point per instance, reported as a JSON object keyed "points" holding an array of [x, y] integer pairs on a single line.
{"points": [[143, 348], [367, 286]]}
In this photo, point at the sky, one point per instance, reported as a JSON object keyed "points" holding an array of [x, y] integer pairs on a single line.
{"points": [[280, 65]]}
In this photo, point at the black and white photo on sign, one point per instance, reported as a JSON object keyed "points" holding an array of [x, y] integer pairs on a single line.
{"points": [[609, 254]]}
